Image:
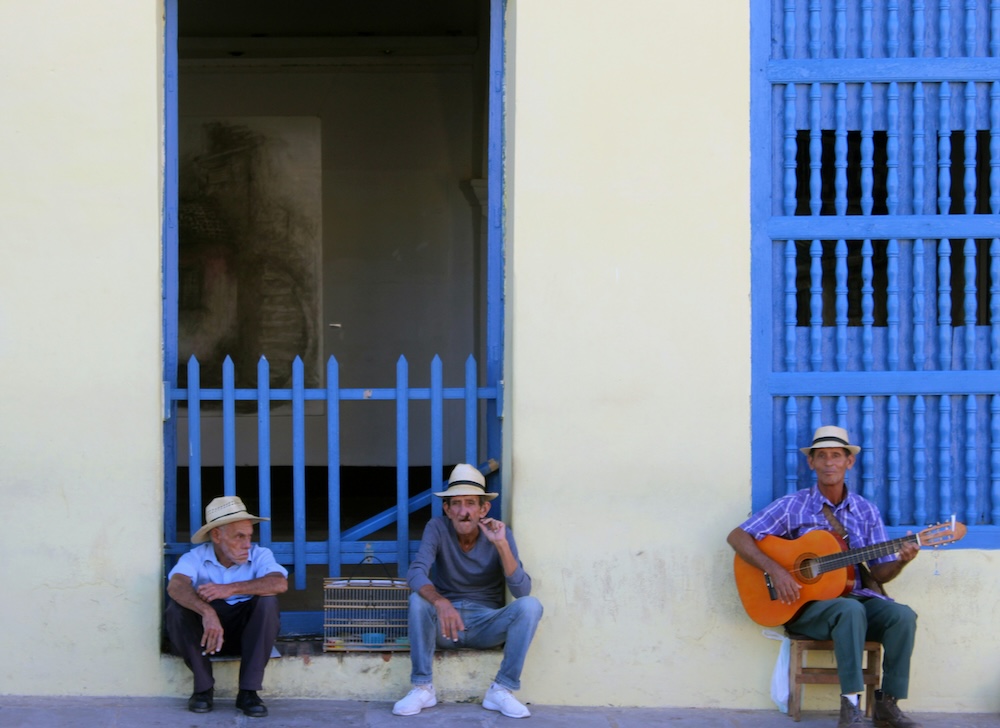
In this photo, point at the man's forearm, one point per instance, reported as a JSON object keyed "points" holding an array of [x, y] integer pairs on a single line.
{"points": [[888, 571], [183, 592], [746, 546], [507, 559], [264, 586], [432, 595]]}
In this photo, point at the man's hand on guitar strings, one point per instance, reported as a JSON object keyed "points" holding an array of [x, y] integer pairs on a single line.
{"points": [[785, 585], [909, 550], [889, 570]]}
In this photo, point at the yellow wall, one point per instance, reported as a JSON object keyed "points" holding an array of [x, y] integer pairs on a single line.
{"points": [[629, 344], [628, 379], [80, 429]]}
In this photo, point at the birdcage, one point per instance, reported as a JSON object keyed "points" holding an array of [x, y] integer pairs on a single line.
{"points": [[365, 615]]}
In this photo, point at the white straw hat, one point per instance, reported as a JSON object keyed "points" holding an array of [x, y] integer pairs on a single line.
{"points": [[831, 436], [223, 510], [466, 479]]}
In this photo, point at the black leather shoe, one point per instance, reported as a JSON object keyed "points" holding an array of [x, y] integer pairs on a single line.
{"points": [[201, 702], [250, 703]]}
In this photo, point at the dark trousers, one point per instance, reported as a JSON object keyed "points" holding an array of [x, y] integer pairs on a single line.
{"points": [[249, 630], [849, 622]]}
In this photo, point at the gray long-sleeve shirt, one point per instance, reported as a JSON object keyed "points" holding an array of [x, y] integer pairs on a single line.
{"points": [[476, 576]]}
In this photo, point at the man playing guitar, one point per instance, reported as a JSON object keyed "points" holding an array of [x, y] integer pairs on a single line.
{"points": [[862, 614]]}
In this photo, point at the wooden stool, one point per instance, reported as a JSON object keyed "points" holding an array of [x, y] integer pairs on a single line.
{"points": [[799, 675]]}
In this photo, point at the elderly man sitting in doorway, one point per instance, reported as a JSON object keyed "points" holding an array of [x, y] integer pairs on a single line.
{"points": [[474, 559], [223, 601]]}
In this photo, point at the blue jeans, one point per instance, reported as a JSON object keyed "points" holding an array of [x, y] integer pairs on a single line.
{"points": [[512, 626]]}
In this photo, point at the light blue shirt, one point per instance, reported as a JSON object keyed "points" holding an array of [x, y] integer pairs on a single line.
{"points": [[201, 566]]}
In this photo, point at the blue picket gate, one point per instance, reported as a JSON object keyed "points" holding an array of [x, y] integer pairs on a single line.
{"points": [[353, 545]]}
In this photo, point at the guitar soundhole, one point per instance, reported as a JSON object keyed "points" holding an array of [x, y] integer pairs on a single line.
{"points": [[806, 569]]}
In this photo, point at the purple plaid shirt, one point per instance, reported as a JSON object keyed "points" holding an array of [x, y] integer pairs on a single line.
{"points": [[793, 515]]}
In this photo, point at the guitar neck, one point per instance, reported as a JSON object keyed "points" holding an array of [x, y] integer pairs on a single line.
{"points": [[863, 553]]}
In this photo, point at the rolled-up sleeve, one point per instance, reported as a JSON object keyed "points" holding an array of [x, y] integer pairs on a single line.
{"points": [[187, 565], [264, 563], [768, 522]]}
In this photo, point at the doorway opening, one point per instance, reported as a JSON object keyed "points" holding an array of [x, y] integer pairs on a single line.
{"points": [[330, 168]]}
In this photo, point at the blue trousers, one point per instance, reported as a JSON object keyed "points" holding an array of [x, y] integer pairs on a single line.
{"points": [[512, 626], [849, 622]]}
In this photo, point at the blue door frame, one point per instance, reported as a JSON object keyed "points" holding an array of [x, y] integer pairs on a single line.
{"points": [[336, 550]]}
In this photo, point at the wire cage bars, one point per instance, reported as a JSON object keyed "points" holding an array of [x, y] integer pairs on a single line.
{"points": [[365, 615]]}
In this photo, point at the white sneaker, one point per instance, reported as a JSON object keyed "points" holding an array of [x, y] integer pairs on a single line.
{"points": [[422, 696], [502, 699]]}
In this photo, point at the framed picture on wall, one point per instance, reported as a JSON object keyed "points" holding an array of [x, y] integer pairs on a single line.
{"points": [[250, 247]]}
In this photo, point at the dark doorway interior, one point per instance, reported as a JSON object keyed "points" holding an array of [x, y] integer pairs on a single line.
{"points": [[368, 309]]}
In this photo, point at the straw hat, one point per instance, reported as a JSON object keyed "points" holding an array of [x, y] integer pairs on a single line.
{"points": [[466, 480], [223, 510], [830, 436]]}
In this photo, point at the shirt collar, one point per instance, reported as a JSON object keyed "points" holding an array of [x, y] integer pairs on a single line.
{"points": [[818, 499]]}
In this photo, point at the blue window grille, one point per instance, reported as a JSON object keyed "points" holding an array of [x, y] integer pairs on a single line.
{"points": [[875, 218], [480, 403]]}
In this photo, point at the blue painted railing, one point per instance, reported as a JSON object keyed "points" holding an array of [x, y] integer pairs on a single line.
{"points": [[351, 546], [859, 317]]}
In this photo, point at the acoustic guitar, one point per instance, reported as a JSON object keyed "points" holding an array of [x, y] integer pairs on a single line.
{"points": [[822, 565]]}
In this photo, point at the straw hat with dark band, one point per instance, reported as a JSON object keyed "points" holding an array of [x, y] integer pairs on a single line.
{"points": [[223, 510], [831, 436], [466, 480]]}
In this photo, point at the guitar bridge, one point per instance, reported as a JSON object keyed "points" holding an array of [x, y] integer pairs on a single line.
{"points": [[770, 586]]}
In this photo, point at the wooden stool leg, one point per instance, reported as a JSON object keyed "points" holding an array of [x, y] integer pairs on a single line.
{"points": [[800, 675], [794, 686], [873, 667]]}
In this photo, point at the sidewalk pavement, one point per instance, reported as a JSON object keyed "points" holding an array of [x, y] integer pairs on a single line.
{"points": [[48, 712]]}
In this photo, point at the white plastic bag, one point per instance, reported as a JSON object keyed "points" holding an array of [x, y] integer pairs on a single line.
{"points": [[779, 678]]}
